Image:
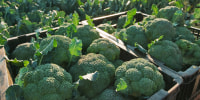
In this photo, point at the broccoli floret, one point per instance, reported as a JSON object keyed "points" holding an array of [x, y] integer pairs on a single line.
{"points": [[111, 94], [121, 21], [167, 52], [190, 52], [87, 34], [184, 33], [134, 33], [157, 27], [105, 47], [141, 76], [59, 55], [173, 14], [107, 28], [24, 51], [48, 82], [88, 64]]}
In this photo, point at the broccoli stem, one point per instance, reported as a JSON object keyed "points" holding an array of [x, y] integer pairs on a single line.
{"points": [[40, 60]]}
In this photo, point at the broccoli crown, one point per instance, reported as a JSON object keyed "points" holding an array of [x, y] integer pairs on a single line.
{"points": [[167, 52], [87, 34], [173, 14], [107, 28], [59, 55], [121, 21], [110, 94], [88, 64], [135, 33], [184, 33], [141, 76], [157, 27], [23, 51], [190, 52], [148, 18], [48, 82], [105, 47]]}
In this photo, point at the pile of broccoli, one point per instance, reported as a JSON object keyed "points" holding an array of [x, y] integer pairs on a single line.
{"points": [[141, 76], [47, 82]]}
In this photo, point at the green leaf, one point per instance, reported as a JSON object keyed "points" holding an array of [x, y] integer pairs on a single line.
{"points": [[19, 79], [14, 92], [91, 76], [179, 4], [154, 41], [197, 13], [48, 48], [155, 9], [12, 11], [75, 18], [80, 3], [122, 85], [26, 63], [75, 47], [130, 14], [3, 39], [54, 43], [89, 20], [16, 62]]}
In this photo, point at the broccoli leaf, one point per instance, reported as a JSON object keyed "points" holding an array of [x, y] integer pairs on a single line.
{"points": [[75, 47], [197, 13], [14, 92], [122, 85], [18, 79], [91, 76], [49, 47], [153, 42], [155, 9], [18, 63], [75, 18], [3, 39], [130, 15], [26, 63], [89, 20]]}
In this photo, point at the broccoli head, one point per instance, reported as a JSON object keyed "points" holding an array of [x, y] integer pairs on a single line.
{"points": [[173, 14], [88, 64], [134, 33], [184, 33], [107, 28], [59, 55], [190, 52], [146, 19], [47, 82], [157, 27], [141, 76], [87, 34], [167, 52], [24, 51], [105, 47], [111, 94]]}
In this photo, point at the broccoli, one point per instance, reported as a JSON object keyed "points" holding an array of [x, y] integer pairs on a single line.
{"points": [[88, 64], [105, 47], [59, 55], [117, 63], [146, 19], [121, 21], [167, 52], [111, 94], [87, 34], [184, 33], [157, 27], [24, 51], [141, 76], [107, 28], [135, 33], [173, 14], [47, 82], [190, 52]]}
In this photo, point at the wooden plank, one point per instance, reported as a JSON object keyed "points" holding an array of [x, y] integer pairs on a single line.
{"points": [[5, 76]]}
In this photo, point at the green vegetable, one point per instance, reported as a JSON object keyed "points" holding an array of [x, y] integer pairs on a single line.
{"points": [[167, 52], [48, 82], [88, 64], [105, 47], [157, 27], [190, 52], [173, 14], [107, 28], [184, 33], [141, 76]]}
